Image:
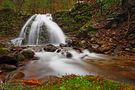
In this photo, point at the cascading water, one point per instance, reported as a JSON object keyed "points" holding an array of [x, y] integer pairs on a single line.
{"points": [[40, 29]]}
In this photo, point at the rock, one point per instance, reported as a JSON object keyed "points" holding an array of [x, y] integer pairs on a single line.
{"points": [[4, 51], [63, 45], [8, 60], [50, 48], [29, 54], [8, 67], [19, 57], [95, 46], [83, 42], [58, 50], [69, 41], [68, 55], [105, 48]]}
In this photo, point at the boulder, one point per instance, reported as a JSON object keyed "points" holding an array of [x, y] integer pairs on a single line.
{"points": [[50, 48], [19, 57], [8, 60], [28, 54], [4, 51]]}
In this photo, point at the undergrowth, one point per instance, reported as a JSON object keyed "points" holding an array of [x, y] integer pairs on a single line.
{"points": [[71, 83]]}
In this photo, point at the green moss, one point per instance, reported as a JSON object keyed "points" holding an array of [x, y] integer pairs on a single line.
{"points": [[13, 86], [84, 83], [11, 23], [88, 28], [72, 21], [4, 51]]}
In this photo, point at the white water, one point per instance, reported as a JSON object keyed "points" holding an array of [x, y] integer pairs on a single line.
{"points": [[52, 63], [31, 31]]}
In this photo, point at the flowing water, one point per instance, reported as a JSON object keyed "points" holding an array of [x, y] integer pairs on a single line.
{"points": [[40, 29]]}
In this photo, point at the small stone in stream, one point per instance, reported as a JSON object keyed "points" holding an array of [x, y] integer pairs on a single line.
{"points": [[58, 50], [8, 67], [8, 60], [29, 54], [36, 58], [69, 41], [63, 45], [68, 55]]}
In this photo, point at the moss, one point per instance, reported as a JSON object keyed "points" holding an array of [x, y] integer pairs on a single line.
{"points": [[4, 51], [72, 21], [88, 28], [84, 83], [11, 23]]}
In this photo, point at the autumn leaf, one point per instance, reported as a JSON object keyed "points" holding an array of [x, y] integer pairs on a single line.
{"points": [[31, 82]]}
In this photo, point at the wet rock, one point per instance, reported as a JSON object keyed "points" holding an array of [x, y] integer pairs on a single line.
{"points": [[68, 55], [19, 57], [8, 60], [69, 41], [36, 58], [29, 54], [58, 50], [63, 45], [8, 67], [50, 48]]}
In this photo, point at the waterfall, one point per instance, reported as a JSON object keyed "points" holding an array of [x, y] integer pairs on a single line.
{"points": [[40, 29]]}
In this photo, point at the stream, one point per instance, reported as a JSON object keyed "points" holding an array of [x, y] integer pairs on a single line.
{"points": [[40, 29]]}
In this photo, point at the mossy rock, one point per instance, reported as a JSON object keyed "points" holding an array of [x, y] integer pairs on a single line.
{"points": [[28, 54], [4, 51]]}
